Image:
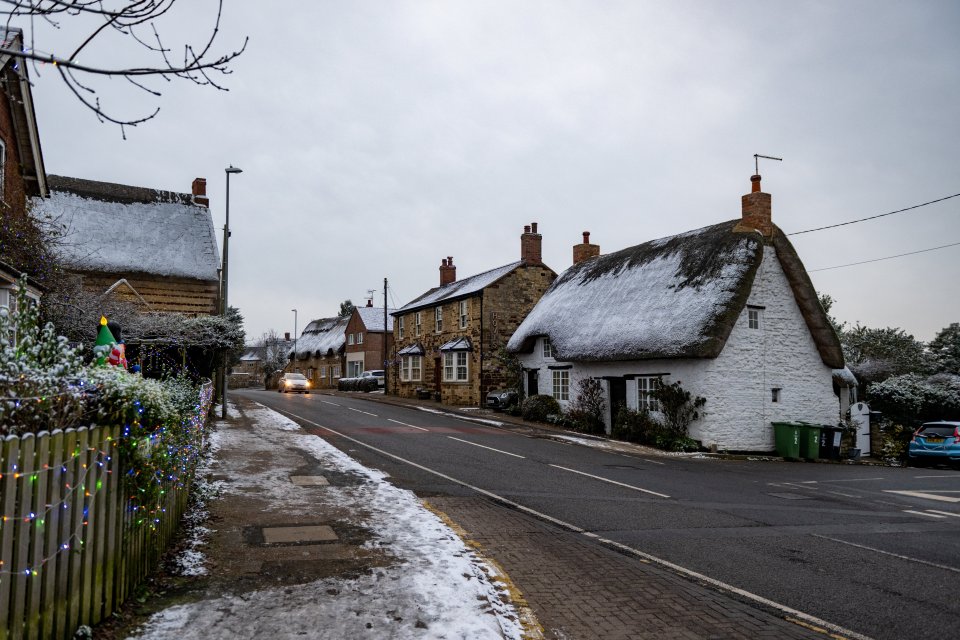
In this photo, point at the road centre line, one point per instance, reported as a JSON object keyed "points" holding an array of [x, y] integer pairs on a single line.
{"points": [[945, 513], [851, 480], [366, 412], [928, 495], [845, 495], [628, 486], [333, 403], [610, 543], [923, 513], [944, 476], [485, 447], [408, 425], [888, 553]]}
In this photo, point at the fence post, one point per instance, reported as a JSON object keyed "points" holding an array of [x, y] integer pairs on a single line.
{"points": [[38, 534], [52, 551], [9, 466]]}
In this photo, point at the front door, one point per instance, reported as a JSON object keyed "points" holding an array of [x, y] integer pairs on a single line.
{"points": [[532, 388], [437, 374], [618, 397]]}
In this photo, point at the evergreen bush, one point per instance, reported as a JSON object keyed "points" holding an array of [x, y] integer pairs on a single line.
{"points": [[538, 407]]}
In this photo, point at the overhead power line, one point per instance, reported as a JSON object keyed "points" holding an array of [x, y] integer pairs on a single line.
{"points": [[841, 224], [852, 264]]}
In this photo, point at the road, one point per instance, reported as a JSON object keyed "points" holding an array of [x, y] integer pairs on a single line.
{"points": [[874, 550]]}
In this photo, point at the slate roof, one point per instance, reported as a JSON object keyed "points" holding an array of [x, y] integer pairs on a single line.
{"points": [[115, 228], [676, 297], [458, 288], [322, 337], [372, 318]]}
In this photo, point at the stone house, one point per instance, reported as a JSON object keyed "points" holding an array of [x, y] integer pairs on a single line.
{"points": [[154, 248], [365, 339], [727, 310], [320, 352], [449, 340]]}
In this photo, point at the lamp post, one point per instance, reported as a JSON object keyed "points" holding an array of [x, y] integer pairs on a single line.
{"points": [[294, 339], [223, 288]]}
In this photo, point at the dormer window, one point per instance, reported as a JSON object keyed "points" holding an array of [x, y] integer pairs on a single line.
{"points": [[547, 348]]}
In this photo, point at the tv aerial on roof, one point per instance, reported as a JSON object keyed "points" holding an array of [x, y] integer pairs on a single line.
{"points": [[756, 161]]}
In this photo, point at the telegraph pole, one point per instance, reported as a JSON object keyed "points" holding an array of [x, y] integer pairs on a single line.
{"points": [[386, 372]]}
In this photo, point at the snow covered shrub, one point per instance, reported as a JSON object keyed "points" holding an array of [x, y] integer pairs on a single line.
{"points": [[587, 410], [678, 408], [40, 376], [912, 399], [539, 407]]}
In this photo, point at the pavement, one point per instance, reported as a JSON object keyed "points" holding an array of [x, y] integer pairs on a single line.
{"points": [[294, 539]]}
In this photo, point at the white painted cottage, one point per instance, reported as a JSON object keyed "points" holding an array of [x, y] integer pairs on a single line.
{"points": [[728, 310]]}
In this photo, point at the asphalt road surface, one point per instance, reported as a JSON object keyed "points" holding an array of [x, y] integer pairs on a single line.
{"points": [[875, 550]]}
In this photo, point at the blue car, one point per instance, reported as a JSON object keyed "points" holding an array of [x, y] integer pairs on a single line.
{"points": [[935, 442]]}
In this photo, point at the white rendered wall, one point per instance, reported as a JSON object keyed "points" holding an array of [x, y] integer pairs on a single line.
{"points": [[737, 384]]}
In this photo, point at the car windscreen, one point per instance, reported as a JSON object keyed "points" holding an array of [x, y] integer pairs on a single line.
{"points": [[937, 430], [296, 376]]}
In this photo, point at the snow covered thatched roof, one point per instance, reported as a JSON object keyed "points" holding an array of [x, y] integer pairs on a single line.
{"points": [[116, 228], [372, 318], [459, 288], [322, 337], [676, 297]]}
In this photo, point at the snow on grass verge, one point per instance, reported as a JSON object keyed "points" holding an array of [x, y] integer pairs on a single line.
{"points": [[436, 588]]}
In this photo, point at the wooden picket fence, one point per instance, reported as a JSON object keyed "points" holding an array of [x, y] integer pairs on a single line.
{"points": [[72, 545]]}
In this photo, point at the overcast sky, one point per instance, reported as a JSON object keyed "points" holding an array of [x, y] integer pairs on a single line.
{"points": [[376, 138]]}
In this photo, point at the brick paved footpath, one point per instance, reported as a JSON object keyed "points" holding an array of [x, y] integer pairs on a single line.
{"points": [[580, 589]]}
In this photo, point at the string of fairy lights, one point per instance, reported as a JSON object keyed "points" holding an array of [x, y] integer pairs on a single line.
{"points": [[157, 463]]}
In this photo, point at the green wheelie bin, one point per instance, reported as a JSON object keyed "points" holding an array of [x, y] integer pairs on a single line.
{"points": [[809, 440], [787, 439]]}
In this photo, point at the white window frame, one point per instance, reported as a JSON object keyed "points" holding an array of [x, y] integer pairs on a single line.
{"points": [[753, 317], [360, 338], [350, 339], [417, 324], [323, 372], [645, 386], [456, 366], [561, 385], [547, 347], [464, 309], [336, 371], [411, 369], [400, 328], [438, 319]]}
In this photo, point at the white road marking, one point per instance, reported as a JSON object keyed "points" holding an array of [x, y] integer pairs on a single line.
{"points": [[855, 480], [923, 513], [650, 461], [572, 527], [602, 479], [888, 553], [925, 495], [945, 513], [333, 403], [408, 425], [956, 475], [366, 412], [845, 495], [486, 447]]}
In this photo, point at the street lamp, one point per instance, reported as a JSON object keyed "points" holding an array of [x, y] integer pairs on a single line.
{"points": [[294, 339], [223, 287]]}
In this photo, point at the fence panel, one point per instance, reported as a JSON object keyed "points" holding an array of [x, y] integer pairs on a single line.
{"points": [[9, 467], [51, 547]]}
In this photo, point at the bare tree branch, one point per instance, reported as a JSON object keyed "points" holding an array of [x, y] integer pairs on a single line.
{"points": [[200, 65]]}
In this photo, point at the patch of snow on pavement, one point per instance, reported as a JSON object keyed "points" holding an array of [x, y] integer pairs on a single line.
{"points": [[494, 423], [438, 588]]}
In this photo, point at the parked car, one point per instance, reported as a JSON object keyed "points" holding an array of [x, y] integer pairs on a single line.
{"points": [[376, 374], [935, 442], [500, 400], [294, 383]]}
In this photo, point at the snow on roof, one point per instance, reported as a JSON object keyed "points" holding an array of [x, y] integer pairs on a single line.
{"points": [[372, 318], [320, 337], [669, 298], [122, 229], [250, 356], [460, 344], [415, 349], [845, 376], [459, 288]]}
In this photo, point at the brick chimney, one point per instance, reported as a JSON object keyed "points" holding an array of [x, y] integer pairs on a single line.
{"points": [[200, 192], [757, 209], [448, 272], [585, 250], [531, 245], [286, 336], [369, 302]]}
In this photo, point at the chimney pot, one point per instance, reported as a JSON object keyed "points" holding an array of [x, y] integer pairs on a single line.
{"points": [[526, 229], [585, 250], [757, 210], [533, 227], [369, 302], [448, 272], [286, 336]]}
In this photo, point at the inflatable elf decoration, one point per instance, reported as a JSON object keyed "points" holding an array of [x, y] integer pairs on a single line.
{"points": [[107, 349]]}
